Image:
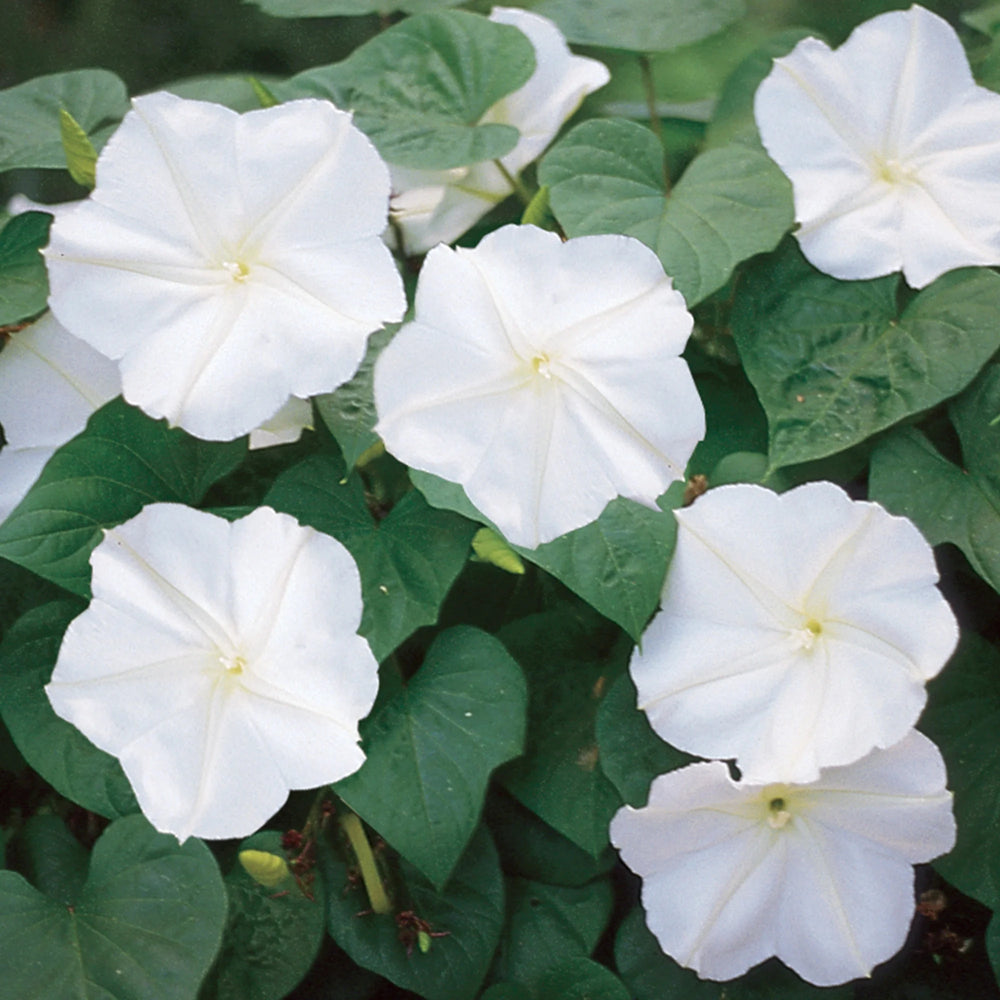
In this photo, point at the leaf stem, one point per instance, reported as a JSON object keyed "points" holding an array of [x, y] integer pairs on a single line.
{"points": [[515, 183], [649, 88], [377, 895]]}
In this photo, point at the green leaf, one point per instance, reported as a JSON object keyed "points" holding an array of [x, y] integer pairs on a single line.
{"points": [[146, 923], [431, 750], [640, 25], [272, 936], [49, 857], [833, 362], [347, 8], [24, 284], [616, 563], [652, 975], [734, 418], [632, 755], [408, 561], [122, 461], [910, 477], [469, 913], [986, 19], [607, 176], [582, 979], [538, 212], [962, 717], [649, 973], [733, 119], [419, 89], [546, 925], [568, 662], [234, 91], [21, 590], [948, 503], [30, 134], [506, 991], [531, 849], [57, 750], [81, 157], [349, 411]]}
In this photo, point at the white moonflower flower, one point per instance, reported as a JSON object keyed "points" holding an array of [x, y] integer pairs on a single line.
{"points": [[228, 262], [50, 384], [819, 875], [431, 207], [892, 149], [543, 376], [220, 663], [795, 632]]}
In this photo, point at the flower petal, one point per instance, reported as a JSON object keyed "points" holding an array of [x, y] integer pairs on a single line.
{"points": [[221, 663], [431, 207], [206, 772], [544, 377], [19, 468], [819, 875], [50, 384], [553, 93], [891, 148], [228, 261], [796, 631], [894, 796]]}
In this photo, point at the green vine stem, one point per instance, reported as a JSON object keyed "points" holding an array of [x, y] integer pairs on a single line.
{"points": [[377, 896]]}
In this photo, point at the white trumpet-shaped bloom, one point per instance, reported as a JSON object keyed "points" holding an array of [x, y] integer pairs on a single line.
{"points": [[796, 631], [892, 149], [50, 384], [544, 377], [819, 875], [220, 662], [430, 207], [228, 262]]}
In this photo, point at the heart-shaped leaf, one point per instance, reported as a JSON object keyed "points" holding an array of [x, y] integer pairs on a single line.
{"points": [[147, 922], [833, 362], [419, 89], [431, 749], [607, 176]]}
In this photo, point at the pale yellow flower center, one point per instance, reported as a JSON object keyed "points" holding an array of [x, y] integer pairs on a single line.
{"points": [[809, 633], [778, 815], [776, 798], [892, 171], [540, 365], [236, 269], [233, 664]]}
